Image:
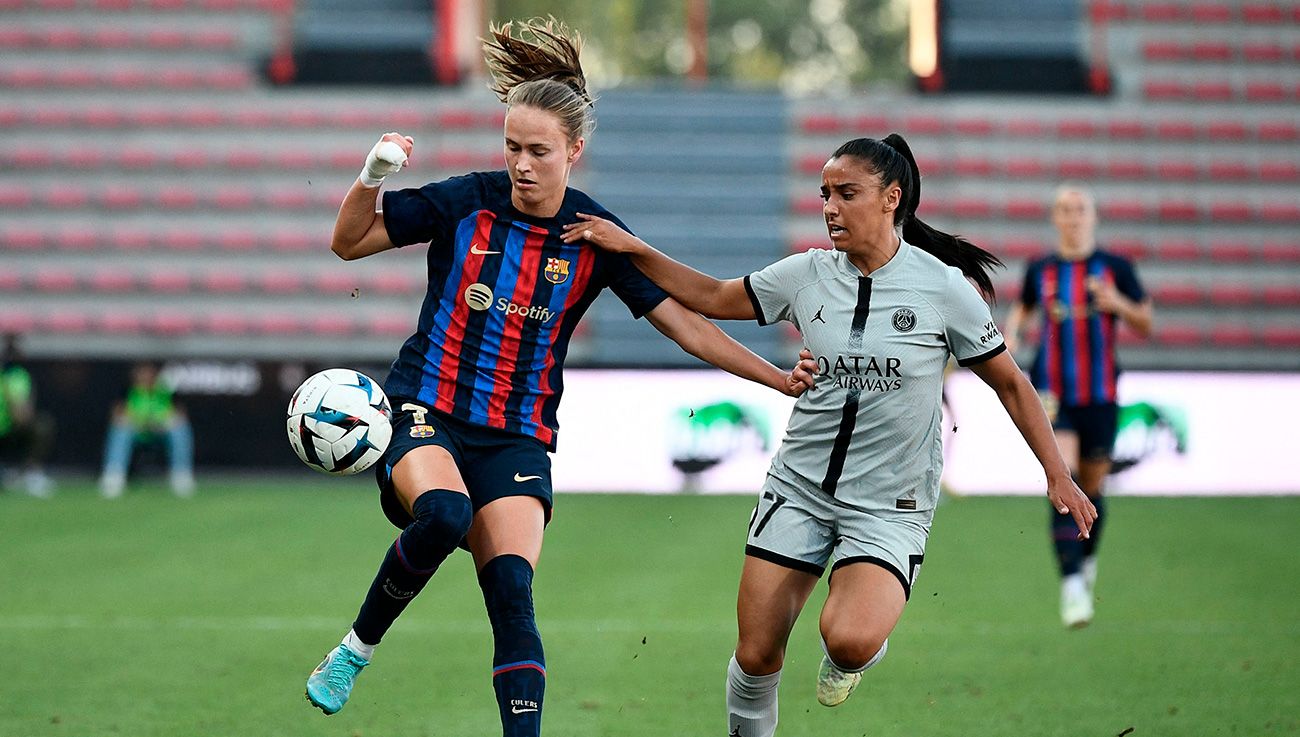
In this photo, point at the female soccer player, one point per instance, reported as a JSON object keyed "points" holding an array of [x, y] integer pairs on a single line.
{"points": [[475, 389], [1082, 291], [856, 478]]}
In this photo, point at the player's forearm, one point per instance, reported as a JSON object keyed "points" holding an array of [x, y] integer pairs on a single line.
{"points": [[1139, 316], [709, 343], [356, 216], [694, 289], [1026, 411]]}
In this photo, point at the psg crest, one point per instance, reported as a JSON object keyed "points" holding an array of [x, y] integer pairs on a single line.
{"points": [[904, 320], [557, 270]]}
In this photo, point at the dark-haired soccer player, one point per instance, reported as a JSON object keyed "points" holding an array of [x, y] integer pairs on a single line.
{"points": [[475, 389], [1083, 292], [855, 482]]}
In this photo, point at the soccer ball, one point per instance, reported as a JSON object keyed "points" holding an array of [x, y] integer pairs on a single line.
{"points": [[339, 422]]}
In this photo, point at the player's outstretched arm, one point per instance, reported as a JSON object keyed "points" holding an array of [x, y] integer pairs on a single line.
{"points": [[707, 342], [714, 298], [1021, 402], [359, 228]]}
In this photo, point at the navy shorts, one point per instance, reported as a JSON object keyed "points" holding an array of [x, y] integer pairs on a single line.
{"points": [[493, 463], [1095, 424]]}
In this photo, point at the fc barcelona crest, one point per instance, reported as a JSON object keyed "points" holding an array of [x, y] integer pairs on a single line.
{"points": [[557, 270]]}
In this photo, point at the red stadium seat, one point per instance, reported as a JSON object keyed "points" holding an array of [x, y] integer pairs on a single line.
{"points": [[336, 282], [16, 321], [1176, 130], [130, 239], [1177, 250], [1210, 51], [1021, 248], [1124, 210], [1267, 92], [1077, 128], [297, 241], [170, 324], [1231, 295], [277, 324], [1213, 90], [10, 281], [1280, 252], [970, 208], [330, 325], [66, 322], [925, 125], [66, 197], [821, 124], [1025, 128], [54, 279], [1231, 252], [392, 326], [112, 280], [119, 323], [223, 323], [1281, 295], [121, 198], [167, 281], [809, 164], [1226, 130], [1263, 13], [20, 238], [1164, 50], [1177, 169], [177, 197], [1230, 212], [1177, 293], [77, 239], [395, 282], [181, 240], [1165, 89], [1026, 209], [1211, 12], [1264, 52], [1281, 336], [1128, 169], [236, 240], [1176, 334], [1181, 211], [1279, 171], [1232, 334], [280, 282], [1230, 170], [1280, 212], [1134, 249], [970, 127], [1126, 129], [1076, 169], [288, 199], [968, 166], [1025, 168], [1162, 12], [225, 281], [1278, 130], [233, 198]]}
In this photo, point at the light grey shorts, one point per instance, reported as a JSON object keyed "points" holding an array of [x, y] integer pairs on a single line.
{"points": [[804, 530]]}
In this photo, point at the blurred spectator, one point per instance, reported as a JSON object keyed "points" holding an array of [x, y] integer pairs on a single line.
{"points": [[25, 434], [148, 416]]}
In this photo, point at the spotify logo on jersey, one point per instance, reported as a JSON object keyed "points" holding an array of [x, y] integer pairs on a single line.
{"points": [[478, 297]]}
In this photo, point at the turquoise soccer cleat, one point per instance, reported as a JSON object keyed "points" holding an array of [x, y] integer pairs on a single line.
{"points": [[329, 686]]}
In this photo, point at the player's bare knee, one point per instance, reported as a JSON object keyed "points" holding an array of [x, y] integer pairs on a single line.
{"points": [[759, 661], [852, 651]]}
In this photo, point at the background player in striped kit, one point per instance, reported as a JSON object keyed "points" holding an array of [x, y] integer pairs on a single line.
{"points": [[476, 388], [1083, 291], [856, 479]]}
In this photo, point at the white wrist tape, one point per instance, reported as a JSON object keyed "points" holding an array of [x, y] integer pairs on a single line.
{"points": [[384, 159]]}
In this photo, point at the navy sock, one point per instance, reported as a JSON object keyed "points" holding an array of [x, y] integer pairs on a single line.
{"points": [[518, 664], [1065, 536], [1094, 537], [442, 518]]}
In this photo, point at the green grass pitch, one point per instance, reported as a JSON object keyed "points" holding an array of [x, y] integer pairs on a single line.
{"points": [[155, 617]]}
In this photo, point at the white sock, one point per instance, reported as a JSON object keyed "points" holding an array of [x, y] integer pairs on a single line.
{"points": [[355, 644], [880, 655], [1089, 570], [751, 702]]}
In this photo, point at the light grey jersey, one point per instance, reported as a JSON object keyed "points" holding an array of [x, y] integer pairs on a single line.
{"points": [[868, 433]]}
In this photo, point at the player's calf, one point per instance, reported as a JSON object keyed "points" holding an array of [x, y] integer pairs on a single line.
{"points": [[518, 663]]}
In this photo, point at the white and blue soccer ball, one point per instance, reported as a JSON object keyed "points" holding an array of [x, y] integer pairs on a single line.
{"points": [[339, 422]]}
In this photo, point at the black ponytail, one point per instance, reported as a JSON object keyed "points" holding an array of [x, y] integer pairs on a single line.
{"points": [[892, 158]]}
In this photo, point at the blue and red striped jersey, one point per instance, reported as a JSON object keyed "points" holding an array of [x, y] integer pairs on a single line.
{"points": [[1076, 351], [504, 297]]}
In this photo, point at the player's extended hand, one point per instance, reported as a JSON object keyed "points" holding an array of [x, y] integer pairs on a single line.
{"points": [[1105, 296], [601, 233], [387, 157], [1067, 497], [803, 376]]}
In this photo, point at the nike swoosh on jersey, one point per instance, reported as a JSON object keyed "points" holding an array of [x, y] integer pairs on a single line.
{"points": [[517, 710], [474, 249], [522, 479]]}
